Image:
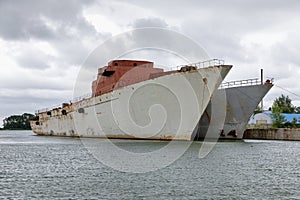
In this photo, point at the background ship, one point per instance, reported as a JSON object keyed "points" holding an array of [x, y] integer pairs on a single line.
{"points": [[131, 99], [230, 109]]}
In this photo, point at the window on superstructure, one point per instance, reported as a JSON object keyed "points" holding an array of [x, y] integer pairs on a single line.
{"points": [[64, 112]]}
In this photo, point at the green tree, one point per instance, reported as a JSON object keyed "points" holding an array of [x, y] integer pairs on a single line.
{"points": [[297, 110], [294, 122], [278, 119], [258, 109], [283, 104], [18, 122]]}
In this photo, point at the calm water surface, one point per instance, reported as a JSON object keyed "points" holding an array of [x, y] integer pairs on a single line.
{"points": [[37, 167]]}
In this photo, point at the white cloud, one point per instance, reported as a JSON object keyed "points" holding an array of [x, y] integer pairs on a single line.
{"points": [[103, 24], [264, 39]]}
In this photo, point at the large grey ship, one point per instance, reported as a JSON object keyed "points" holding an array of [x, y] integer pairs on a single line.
{"points": [[123, 95], [230, 109]]}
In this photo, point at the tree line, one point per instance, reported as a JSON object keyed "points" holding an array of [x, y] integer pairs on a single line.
{"points": [[18, 122]]}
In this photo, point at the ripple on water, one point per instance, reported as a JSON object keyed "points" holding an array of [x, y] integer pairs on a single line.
{"points": [[61, 168]]}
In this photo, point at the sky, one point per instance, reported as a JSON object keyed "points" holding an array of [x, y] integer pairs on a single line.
{"points": [[43, 44]]}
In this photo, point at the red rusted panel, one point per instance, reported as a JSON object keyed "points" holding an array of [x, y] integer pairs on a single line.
{"points": [[120, 73]]}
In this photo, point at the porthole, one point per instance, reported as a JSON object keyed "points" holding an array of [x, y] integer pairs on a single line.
{"points": [[64, 112], [81, 110]]}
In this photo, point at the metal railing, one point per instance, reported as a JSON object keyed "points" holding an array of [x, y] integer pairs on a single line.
{"points": [[47, 109], [246, 82], [75, 99], [82, 97], [206, 63], [41, 110]]}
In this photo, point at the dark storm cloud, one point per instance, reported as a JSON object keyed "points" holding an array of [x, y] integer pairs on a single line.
{"points": [[288, 50], [150, 22], [37, 83], [215, 40], [221, 29], [220, 25], [16, 28], [61, 24], [29, 103], [42, 79], [182, 9], [32, 19], [38, 61]]}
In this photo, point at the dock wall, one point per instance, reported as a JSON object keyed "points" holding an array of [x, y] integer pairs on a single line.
{"points": [[291, 134]]}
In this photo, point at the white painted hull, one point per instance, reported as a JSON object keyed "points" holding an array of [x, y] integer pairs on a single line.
{"points": [[168, 107]]}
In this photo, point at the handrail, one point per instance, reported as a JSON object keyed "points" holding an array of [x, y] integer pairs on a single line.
{"points": [[206, 63], [47, 109], [75, 99], [82, 97], [237, 83]]}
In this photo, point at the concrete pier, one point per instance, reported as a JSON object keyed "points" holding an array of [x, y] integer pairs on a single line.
{"points": [[290, 134]]}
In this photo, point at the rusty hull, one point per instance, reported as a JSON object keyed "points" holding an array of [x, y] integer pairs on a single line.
{"points": [[64, 120]]}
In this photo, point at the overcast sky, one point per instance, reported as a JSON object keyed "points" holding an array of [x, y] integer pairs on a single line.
{"points": [[44, 43]]}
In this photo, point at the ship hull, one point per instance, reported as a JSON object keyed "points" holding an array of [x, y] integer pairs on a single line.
{"points": [[165, 108], [229, 111]]}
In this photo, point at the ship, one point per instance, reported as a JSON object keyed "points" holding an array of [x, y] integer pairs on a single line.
{"points": [[132, 99], [230, 109]]}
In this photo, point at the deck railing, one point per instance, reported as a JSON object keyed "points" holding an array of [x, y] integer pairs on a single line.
{"points": [[246, 82], [75, 99], [206, 63], [47, 109], [85, 96]]}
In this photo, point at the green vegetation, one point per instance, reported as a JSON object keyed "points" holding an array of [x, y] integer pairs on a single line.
{"points": [[297, 110], [283, 104], [258, 109], [278, 120], [17, 122], [292, 124]]}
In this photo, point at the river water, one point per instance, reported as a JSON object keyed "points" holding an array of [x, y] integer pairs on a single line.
{"points": [[38, 167]]}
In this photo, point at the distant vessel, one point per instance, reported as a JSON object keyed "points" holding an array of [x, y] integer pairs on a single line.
{"points": [[127, 100], [230, 109]]}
